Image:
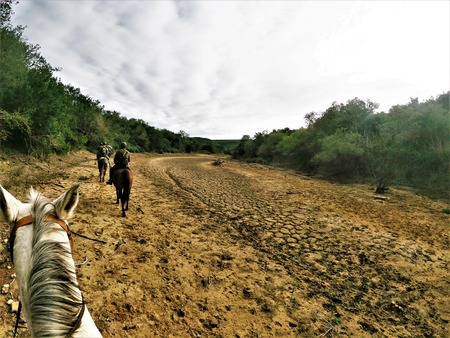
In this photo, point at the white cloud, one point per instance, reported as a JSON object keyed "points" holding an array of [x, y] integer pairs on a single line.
{"points": [[229, 68]]}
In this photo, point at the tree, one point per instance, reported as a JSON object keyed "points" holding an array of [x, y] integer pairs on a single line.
{"points": [[352, 116], [14, 128], [266, 150], [419, 144], [6, 12], [341, 154], [240, 150]]}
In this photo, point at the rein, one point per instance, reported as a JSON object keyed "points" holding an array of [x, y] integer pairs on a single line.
{"points": [[12, 237]]}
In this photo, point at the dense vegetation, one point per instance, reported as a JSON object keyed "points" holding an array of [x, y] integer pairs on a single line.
{"points": [[39, 115], [410, 145]]}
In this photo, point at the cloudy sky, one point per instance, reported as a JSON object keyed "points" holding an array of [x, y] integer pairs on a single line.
{"points": [[224, 69]]}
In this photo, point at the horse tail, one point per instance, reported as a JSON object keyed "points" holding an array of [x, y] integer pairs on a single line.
{"points": [[102, 162], [126, 186]]}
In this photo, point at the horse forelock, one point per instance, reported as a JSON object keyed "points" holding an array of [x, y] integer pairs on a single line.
{"points": [[54, 296], [33, 195]]}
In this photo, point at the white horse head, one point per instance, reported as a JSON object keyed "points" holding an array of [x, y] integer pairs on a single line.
{"points": [[39, 237]]}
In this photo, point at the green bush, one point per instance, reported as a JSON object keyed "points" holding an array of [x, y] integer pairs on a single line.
{"points": [[341, 154]]}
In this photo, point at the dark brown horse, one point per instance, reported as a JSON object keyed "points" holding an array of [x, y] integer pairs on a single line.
{"points": [[103, 165], [123, 180]]}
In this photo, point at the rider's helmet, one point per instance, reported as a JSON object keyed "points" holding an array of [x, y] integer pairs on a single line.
{"points": [[123, 145]]}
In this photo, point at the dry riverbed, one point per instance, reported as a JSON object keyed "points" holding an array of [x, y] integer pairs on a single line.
{"points": [[240, 250]]}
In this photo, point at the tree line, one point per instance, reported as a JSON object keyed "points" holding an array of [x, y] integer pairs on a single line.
{"points": [[409, 145]]}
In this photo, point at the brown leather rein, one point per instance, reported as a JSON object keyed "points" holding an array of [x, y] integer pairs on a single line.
{"points": [[12, 237]]}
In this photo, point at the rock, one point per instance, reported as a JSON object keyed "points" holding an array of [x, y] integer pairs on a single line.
{"points": [[218, 162], [380, 198], [14, 306], [5, 289], [131, 327], [247, 292]]}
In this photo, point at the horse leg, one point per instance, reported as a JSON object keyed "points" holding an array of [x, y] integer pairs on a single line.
{"points": [[123, 205], [105, 171], [126, 197], [117, 195]]}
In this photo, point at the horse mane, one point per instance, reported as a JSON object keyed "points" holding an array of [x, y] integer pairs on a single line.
{"points": [[53, 292]]}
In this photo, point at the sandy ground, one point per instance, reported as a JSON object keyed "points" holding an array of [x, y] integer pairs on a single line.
{"points": [[241, 250]]}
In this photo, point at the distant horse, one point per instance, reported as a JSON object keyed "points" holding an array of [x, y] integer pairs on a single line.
{"points": [[40, 248], [123, 180], [103, 165]]}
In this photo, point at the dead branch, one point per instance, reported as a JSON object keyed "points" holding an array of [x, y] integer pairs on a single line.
{"points": [[80, 264], [92, 239], [218, 162]]}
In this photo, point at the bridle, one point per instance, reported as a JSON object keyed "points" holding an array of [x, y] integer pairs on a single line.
{"points": [[12, 237], [29, 220]]}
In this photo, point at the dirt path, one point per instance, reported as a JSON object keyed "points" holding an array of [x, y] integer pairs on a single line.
{"points": [[247, 251]]}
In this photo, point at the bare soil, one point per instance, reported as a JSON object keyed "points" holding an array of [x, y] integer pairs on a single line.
{"points": [[240, 250]]}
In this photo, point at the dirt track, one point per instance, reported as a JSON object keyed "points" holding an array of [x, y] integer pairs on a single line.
{"points": [[246, 251]]}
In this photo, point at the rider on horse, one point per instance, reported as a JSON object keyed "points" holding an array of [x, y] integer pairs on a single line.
{"points": [[121, 160], [109, 149], [103, 151]]}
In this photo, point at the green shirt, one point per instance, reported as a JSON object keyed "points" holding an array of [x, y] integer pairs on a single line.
{"points": [[122, 158]]}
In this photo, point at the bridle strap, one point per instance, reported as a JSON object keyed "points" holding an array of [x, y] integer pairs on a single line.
{"points": [[12, 236], [24, 221], [28, 220], [63, 225]]}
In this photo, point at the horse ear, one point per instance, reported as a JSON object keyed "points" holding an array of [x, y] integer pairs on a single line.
{"points": [[66, 203], [9, 205]]}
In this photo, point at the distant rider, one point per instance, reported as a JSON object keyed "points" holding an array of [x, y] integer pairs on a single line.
{"points": [[121, 160], [109, 149], [102, 151]]}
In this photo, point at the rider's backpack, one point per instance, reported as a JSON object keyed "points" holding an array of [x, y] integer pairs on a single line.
{"points": [[103, 151], [122, 159]]}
